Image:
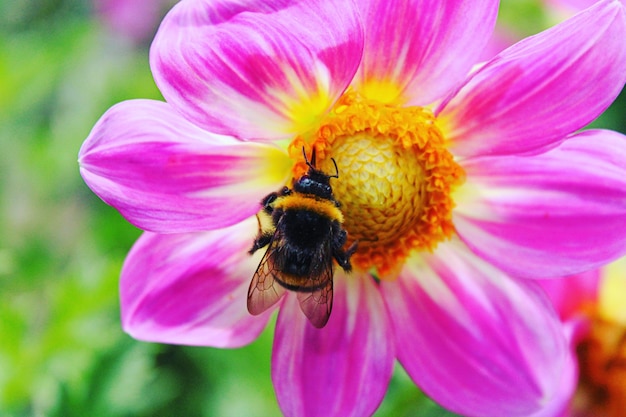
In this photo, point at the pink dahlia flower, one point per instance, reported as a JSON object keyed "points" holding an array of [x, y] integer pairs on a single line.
{"points": [[460, 184], [591, 306], [135, 19]]}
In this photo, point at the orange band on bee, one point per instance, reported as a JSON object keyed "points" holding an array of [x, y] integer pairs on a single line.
{"points": [[310, 202]]}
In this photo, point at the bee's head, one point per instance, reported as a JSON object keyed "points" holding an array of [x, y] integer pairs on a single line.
{"points": [[315, 181]]}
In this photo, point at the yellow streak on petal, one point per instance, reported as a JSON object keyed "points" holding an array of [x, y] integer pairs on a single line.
{"points": [[447, 124], [308, 111], [275, 166], [382, 91], [612, 299], [305, 105], [267, 168]]}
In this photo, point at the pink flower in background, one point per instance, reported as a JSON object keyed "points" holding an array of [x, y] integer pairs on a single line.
{"points": [[592, 308], [452, 182], [135, 19]]}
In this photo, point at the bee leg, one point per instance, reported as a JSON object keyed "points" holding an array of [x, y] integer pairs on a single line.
{"points": [[343, 257], [352, 248], [269, 199], [262, 240], [267, 202]]}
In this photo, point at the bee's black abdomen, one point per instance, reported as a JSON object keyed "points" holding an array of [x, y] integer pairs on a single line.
{"points": [[305, 229], [298, 263]]}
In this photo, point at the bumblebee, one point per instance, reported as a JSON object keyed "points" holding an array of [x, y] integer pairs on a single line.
{"points": [[302, 228]]}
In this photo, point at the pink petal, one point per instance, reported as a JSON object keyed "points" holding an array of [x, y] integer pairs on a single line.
{"points": [[543, 88], [550, 215], [559, 404], [191, 288], [268, 69], [475, 340], [572, 294], [503, 36], [342, 369], [416, 51], [166, 175]]}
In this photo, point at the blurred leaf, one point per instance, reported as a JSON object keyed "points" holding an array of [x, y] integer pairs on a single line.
{"points": [[121, 382], [404, 399], [614, 117], [240, 379], [523, 17]]}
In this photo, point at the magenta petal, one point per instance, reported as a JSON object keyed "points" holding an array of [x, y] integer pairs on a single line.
{"points": [[559, 405], [549, 215], [166, 175], [263, 69], [572, 294], [191, 288], [342, 369], [477, 341], [543, 88], [423, 48]]}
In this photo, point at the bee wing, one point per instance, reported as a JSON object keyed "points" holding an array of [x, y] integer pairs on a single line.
{"points": [[264, 292], [317, 305]]}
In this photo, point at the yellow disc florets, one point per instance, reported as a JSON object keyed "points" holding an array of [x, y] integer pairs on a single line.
{"points": [[395, 178]]}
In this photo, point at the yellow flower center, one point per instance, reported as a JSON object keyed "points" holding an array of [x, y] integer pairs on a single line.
{"points": [[395, 178]]}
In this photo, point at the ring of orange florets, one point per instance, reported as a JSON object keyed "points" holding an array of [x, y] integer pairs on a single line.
{"points": [[414, 130]]}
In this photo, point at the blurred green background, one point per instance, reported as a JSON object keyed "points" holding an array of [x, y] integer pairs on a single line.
{"points": [[62, 350]]}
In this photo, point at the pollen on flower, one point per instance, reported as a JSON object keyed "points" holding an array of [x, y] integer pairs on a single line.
{"points": [[395, 178]]}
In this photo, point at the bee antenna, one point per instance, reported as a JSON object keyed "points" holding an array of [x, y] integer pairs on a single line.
{"points": [[312, 163], [336, 169]]}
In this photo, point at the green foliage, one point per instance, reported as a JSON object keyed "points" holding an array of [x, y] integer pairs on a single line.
{"points": [[523, 17]]}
